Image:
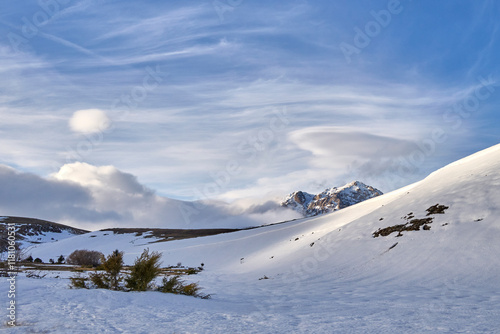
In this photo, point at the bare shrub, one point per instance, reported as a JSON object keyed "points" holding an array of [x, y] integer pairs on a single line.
{"points": [[84, 257]]}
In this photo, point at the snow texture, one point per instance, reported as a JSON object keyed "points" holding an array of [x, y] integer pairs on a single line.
{"points": [[327, 274]]}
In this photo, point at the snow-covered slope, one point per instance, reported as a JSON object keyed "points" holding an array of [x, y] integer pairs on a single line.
{"points": [[468, 187], [330, 273], [330, 200], [31, 231]]}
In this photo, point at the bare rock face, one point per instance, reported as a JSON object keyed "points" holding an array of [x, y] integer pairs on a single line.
{"points": [[330, 200]]}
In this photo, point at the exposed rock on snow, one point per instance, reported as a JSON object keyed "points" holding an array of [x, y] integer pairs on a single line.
{"points": [[331, 199], [412, 224]]}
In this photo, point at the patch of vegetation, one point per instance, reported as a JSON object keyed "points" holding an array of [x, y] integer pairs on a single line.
{"points": [[110, 278], [141, 277], [437, 209], [176, 286], [35, 274], [78, 282], [192, 271], [54, 267], [169, 234], [4, 269]]}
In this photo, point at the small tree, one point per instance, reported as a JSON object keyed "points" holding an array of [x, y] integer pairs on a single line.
{"points": [[146, 268], [113, 264], [38, 260], [60, 259], [29, 259], [110, 279]]}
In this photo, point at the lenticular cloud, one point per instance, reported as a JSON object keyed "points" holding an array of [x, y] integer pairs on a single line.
{"points": [[89, 121]]}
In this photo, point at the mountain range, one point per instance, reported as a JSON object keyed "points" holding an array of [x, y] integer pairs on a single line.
{"points": [[32, 231]]}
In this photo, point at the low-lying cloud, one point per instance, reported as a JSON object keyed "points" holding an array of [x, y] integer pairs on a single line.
{"points": [[94, 197], [24, 194]]}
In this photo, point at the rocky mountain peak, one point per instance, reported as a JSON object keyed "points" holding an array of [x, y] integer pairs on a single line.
{"points": [[330, 199]]}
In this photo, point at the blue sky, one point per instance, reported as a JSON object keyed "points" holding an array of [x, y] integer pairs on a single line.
{"points": [[236, 98]]}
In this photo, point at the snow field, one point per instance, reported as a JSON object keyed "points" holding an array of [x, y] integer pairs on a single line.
{"points": [[326, 274]]}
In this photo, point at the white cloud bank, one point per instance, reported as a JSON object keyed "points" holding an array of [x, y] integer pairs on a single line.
{"points": [[89, 121], [92, 197]]}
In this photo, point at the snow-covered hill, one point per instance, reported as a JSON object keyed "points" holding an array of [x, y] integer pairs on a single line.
{"points": [[31, 231], [330, 200], [341, 272]]}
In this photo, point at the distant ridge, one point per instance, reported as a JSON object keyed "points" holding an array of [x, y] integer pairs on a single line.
{"points": [[35, 231]]}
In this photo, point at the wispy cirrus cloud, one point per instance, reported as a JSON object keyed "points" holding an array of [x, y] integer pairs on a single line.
{"points": [[222, 81]]}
